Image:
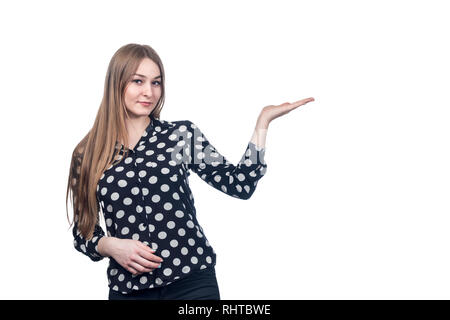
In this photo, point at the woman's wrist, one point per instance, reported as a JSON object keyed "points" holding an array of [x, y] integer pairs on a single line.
{"points": [[104, 246], [260, 132]]}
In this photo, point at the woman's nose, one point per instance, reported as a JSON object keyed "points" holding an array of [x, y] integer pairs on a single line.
{"points": [[148, 91]]}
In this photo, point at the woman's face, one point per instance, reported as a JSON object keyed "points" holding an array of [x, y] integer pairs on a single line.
{"points": [[144, 86]]}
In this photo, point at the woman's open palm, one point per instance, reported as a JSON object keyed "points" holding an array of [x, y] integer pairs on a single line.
{"points": [[272, 112]]}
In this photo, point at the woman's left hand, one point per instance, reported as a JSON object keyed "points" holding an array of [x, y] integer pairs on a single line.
{"points": [[271, 112]]}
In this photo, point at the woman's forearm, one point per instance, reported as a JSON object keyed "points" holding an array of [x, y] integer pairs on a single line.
{"points": [[259, 138]]}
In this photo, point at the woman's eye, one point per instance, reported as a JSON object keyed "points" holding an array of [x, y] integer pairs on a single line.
{"points": [[154, 82]]}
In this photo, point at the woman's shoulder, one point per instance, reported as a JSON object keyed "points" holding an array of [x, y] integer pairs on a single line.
{"points": [[181, 125]]}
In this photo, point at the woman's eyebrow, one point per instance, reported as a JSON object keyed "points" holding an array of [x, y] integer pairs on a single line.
{"points": [[141, 75]]}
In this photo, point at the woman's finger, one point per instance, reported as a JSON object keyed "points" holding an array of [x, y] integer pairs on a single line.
{"points": [[132, 270], [150, 256], [302, 102], [299, 103], [146, 262], [139, 268], [144, 246]]}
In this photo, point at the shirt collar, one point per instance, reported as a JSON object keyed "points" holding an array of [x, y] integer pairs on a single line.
{"points": [[154, 123]]}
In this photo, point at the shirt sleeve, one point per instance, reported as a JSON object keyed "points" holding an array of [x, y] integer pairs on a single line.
{"points": [[239, 180], [88, 247]]}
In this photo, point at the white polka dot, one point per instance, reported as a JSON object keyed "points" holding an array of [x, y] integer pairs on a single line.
{"points": [[176, 262], [165, 253], [120, 214], [190, 224], [200, 155], [162, 235], [179, 214], [132, 219], [186, 269], [128, 160], [170, 225], [184, 251], [127, 201], [125, 230], [167, 272], [173, 243], [181, 232], [114, 196], [167, 206], [142, 173], [165, 171], [156, 198], [164, 188], [122, 183], [143, 280], [159, 216], [194, 260]]}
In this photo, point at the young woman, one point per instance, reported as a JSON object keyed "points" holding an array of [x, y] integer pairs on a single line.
{"points": [[134, 167]]}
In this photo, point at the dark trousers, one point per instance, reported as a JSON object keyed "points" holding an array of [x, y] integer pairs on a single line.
{"points": [[200, 285]]}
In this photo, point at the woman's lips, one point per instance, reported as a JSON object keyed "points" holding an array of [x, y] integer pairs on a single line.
{"points": [[145, 103]]}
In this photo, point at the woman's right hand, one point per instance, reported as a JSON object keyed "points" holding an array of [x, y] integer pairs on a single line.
{"points": [[133, 255]]}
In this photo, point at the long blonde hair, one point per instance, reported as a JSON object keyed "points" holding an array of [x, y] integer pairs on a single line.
{"points": [[95, 152]]}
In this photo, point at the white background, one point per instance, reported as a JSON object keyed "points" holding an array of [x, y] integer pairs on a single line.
{"points": [[355, 201]]}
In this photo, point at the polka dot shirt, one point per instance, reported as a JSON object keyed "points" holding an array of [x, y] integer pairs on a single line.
{"points": [[147, 197]]}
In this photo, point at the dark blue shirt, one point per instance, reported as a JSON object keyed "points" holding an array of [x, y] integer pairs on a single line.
{"points": [[147, 197]]}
